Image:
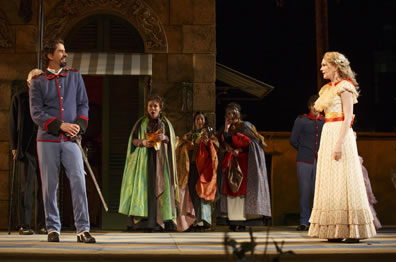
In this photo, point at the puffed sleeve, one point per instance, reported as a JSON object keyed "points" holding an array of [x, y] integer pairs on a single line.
{"points": [[346, 85]]}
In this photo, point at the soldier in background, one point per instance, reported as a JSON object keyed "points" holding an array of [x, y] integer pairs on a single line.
{"points": [[305, 138]]}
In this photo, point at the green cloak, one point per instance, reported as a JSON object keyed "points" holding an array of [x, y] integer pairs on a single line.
{"points": [[134, 188]]}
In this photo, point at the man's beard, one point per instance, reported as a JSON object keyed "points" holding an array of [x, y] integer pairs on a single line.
{"points": [[62, 64]]}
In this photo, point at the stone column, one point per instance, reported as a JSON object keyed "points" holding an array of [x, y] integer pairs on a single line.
{"points": [[186, 75]]}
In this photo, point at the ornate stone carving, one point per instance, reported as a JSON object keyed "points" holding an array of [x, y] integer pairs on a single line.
{"points": [[149, 25], [68, 12], [5, 40]]}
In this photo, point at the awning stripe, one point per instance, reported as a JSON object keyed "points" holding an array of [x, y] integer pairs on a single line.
{"points": [[84, 65], [127, 64], [119, 63], [135, 64], [111, 63], [93, 64], [101, 70]]}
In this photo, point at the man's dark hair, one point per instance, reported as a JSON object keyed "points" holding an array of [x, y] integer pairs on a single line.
{"points": [[49, 47], [311, 101]]}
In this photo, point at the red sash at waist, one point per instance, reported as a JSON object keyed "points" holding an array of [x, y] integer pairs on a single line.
{"points": [[335, 117]]}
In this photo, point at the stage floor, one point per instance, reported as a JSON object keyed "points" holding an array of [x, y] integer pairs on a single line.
{"points": [[207, 246]]}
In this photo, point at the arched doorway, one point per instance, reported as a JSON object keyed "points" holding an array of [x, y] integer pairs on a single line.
{"points": [[109, 53]]}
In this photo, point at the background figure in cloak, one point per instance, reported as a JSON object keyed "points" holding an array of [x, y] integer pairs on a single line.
{"points": [[245, 196], [370, 195], [197, 174], [22, 133], [149, 188]]}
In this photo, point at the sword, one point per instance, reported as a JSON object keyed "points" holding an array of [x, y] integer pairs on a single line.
{"points": [[78, 141]]}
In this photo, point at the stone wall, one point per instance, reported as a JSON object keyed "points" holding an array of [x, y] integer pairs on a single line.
{"points": [[186, 75], [17, 58]]}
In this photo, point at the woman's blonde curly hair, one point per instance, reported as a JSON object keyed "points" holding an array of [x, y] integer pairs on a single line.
{"points": [[343, 65]]}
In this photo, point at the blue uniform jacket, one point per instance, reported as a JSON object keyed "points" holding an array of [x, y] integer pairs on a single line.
{"points": [[305, 137], [55, 99]]}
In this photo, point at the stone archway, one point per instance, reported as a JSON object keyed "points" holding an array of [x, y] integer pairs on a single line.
{"points": [[62, 18]]}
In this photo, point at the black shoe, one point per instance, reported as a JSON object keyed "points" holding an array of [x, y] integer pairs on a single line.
{"points": [[129, 229], [199, 229], [42, 231], [233, 228], [53, 236], [26, 231], [302, 227], [351, 240], [334, 240], [85, 237], [170, 226], [241, 228], [156, 229]]}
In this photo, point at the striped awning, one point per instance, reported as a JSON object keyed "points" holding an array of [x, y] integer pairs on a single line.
{"points": [[111, 63]]}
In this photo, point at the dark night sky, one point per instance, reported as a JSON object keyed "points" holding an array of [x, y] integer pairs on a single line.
{"points": [[277, 45]]}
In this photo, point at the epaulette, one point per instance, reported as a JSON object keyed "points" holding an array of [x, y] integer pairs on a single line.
{"points": [[34, 77], [72, 69]]}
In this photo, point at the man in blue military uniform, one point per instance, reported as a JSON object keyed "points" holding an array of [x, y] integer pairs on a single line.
{"points": [[59, 106], [305, 138]]}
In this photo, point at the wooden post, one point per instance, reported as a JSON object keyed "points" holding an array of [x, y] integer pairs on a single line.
{"points": [[322, 36], [41, 34]]}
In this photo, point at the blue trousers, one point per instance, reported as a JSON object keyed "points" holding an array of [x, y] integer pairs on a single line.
{"points": [[306, 184], [51, 155]]}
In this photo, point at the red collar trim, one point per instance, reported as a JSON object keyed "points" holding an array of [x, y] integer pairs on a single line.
{"points": [[36, 76], [49, 75], [310, 116]]}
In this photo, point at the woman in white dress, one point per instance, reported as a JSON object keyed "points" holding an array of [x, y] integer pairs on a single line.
{"points": [[341, 209]]}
